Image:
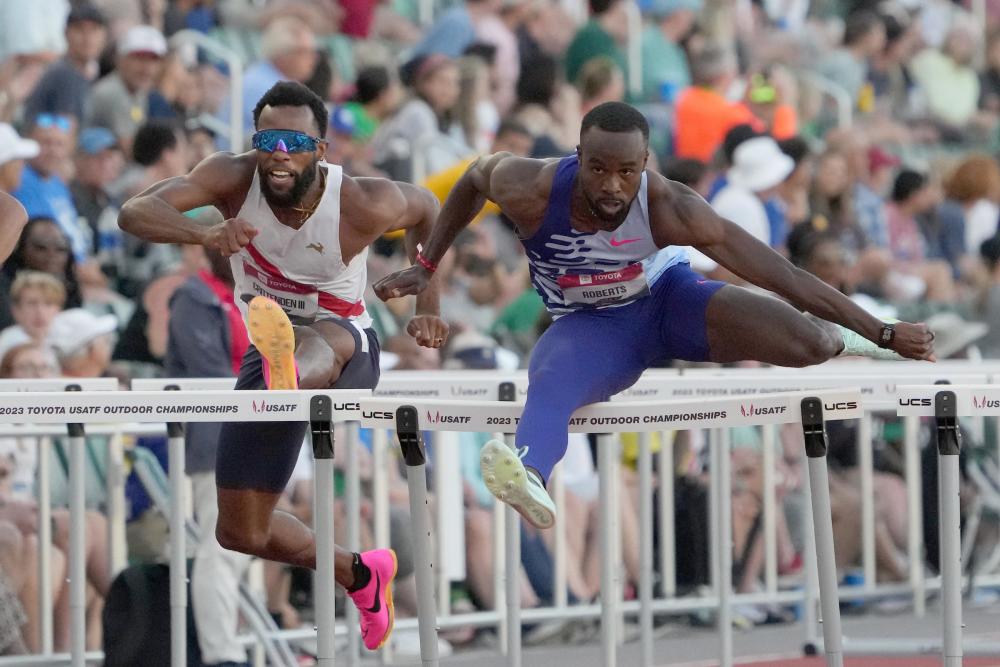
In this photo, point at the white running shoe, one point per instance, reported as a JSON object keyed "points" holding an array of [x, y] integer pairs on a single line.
{"points": [[508, 480]]}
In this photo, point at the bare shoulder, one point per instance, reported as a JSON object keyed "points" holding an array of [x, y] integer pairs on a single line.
{"points": [[520, 186], [677, 214], [225, 171], [379, 204]]}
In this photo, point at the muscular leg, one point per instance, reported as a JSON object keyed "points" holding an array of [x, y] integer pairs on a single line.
{"points": [[248, 494], [743, 325], [582, 358], [253, 526]]}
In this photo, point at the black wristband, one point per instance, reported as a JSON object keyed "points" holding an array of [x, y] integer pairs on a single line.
{"points": [[886, 336]]}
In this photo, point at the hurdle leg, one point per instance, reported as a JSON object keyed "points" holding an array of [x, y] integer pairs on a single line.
{"points": [[724, 575], [949, 441], [178, 547], [44, 492], [412, 446], [77, 541], [352, 506], [512, 557], [819, 484], [178, 542], [645, 550], [321, 431], [610, 577]]}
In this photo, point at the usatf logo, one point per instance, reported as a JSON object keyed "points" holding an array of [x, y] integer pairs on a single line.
{"points": [[750, 410], [437, 418], [980, 402], [263, 406]]}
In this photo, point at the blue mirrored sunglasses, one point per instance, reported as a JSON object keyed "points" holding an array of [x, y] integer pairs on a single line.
{"points": [[47, 120], [289, 141]]}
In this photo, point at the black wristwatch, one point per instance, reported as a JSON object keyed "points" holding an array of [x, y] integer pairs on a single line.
{"points": [[886, 336]]}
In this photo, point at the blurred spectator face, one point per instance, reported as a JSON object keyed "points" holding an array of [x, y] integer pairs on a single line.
{"points": [[54, 135], [828, 262], [30, 362], [140, 71], [46, 248], [201, 144], [34, 310], [176, 160], [91, 361], [875, 40], [832, 176], [960, 46], [993, 52], [440, 88], [514, 141], [100, 169], [85, 40]]}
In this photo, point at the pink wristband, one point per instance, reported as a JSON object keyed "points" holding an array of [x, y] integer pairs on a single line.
{"points": [[426, 263]]}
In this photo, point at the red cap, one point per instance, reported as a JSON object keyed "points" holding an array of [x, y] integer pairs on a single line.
{"points": [[879, 159]]}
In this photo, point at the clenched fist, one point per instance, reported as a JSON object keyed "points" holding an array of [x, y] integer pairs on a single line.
{"points": [[428, 330], [913, 341], [412, 280], [230, 236]]}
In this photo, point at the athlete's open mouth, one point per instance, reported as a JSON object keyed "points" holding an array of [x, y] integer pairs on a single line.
{"points": [[280, 177]]}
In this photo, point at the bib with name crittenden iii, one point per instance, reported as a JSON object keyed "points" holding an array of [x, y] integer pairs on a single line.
{"points": [[312, 280], [574, 270]]}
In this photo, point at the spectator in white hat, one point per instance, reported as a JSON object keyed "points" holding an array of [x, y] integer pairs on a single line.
{"points": [[759, 167], [120, 101], [83, 342]]}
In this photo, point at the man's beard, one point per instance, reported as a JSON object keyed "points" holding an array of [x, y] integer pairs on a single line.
{"points": [[613, 220], [293, 197]]}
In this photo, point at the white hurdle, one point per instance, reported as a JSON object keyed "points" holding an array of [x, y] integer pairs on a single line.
{"points": [[77, 408], [614, 417]]}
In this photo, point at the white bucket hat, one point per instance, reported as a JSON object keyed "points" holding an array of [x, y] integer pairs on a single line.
{"points": [[759, 164]]}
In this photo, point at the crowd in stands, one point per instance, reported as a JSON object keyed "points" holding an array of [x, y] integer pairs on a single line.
{"points": [[858, 138]]}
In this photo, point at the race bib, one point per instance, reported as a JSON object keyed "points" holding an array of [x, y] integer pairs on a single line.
{"points": [[605, 289], [295, 298]]}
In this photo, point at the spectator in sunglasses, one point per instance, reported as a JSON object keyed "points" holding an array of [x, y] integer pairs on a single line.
{"points": [[42, 247]]}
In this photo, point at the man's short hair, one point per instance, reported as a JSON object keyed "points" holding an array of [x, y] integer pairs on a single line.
{"points": [[615, 117], [293, 94], [371, 82], [908, 182], [598, 7], [710, 64], [512, 127], [152, 140], [859, 24], [53, 291]]}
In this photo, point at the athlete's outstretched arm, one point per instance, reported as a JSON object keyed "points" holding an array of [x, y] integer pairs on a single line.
{"points": [[422, 207], [686, 219], [156, 214], [12, 221], [464, 201]]}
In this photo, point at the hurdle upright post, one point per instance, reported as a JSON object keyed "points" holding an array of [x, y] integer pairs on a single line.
{"points": [[77, 540], [321, 432], [645, 550], [512, 556], [415, 457], [949, 444], [178, 542], [814, 431]]}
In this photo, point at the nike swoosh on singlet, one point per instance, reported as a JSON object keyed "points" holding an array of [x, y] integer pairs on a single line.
{"points": [[378, 595], [620, 242]]}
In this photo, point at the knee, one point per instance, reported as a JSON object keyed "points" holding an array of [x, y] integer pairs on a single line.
{"points": [[815, 347], [240, 538]]}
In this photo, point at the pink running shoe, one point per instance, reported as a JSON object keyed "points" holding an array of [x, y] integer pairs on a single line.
{"points": [[374, 601]]}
